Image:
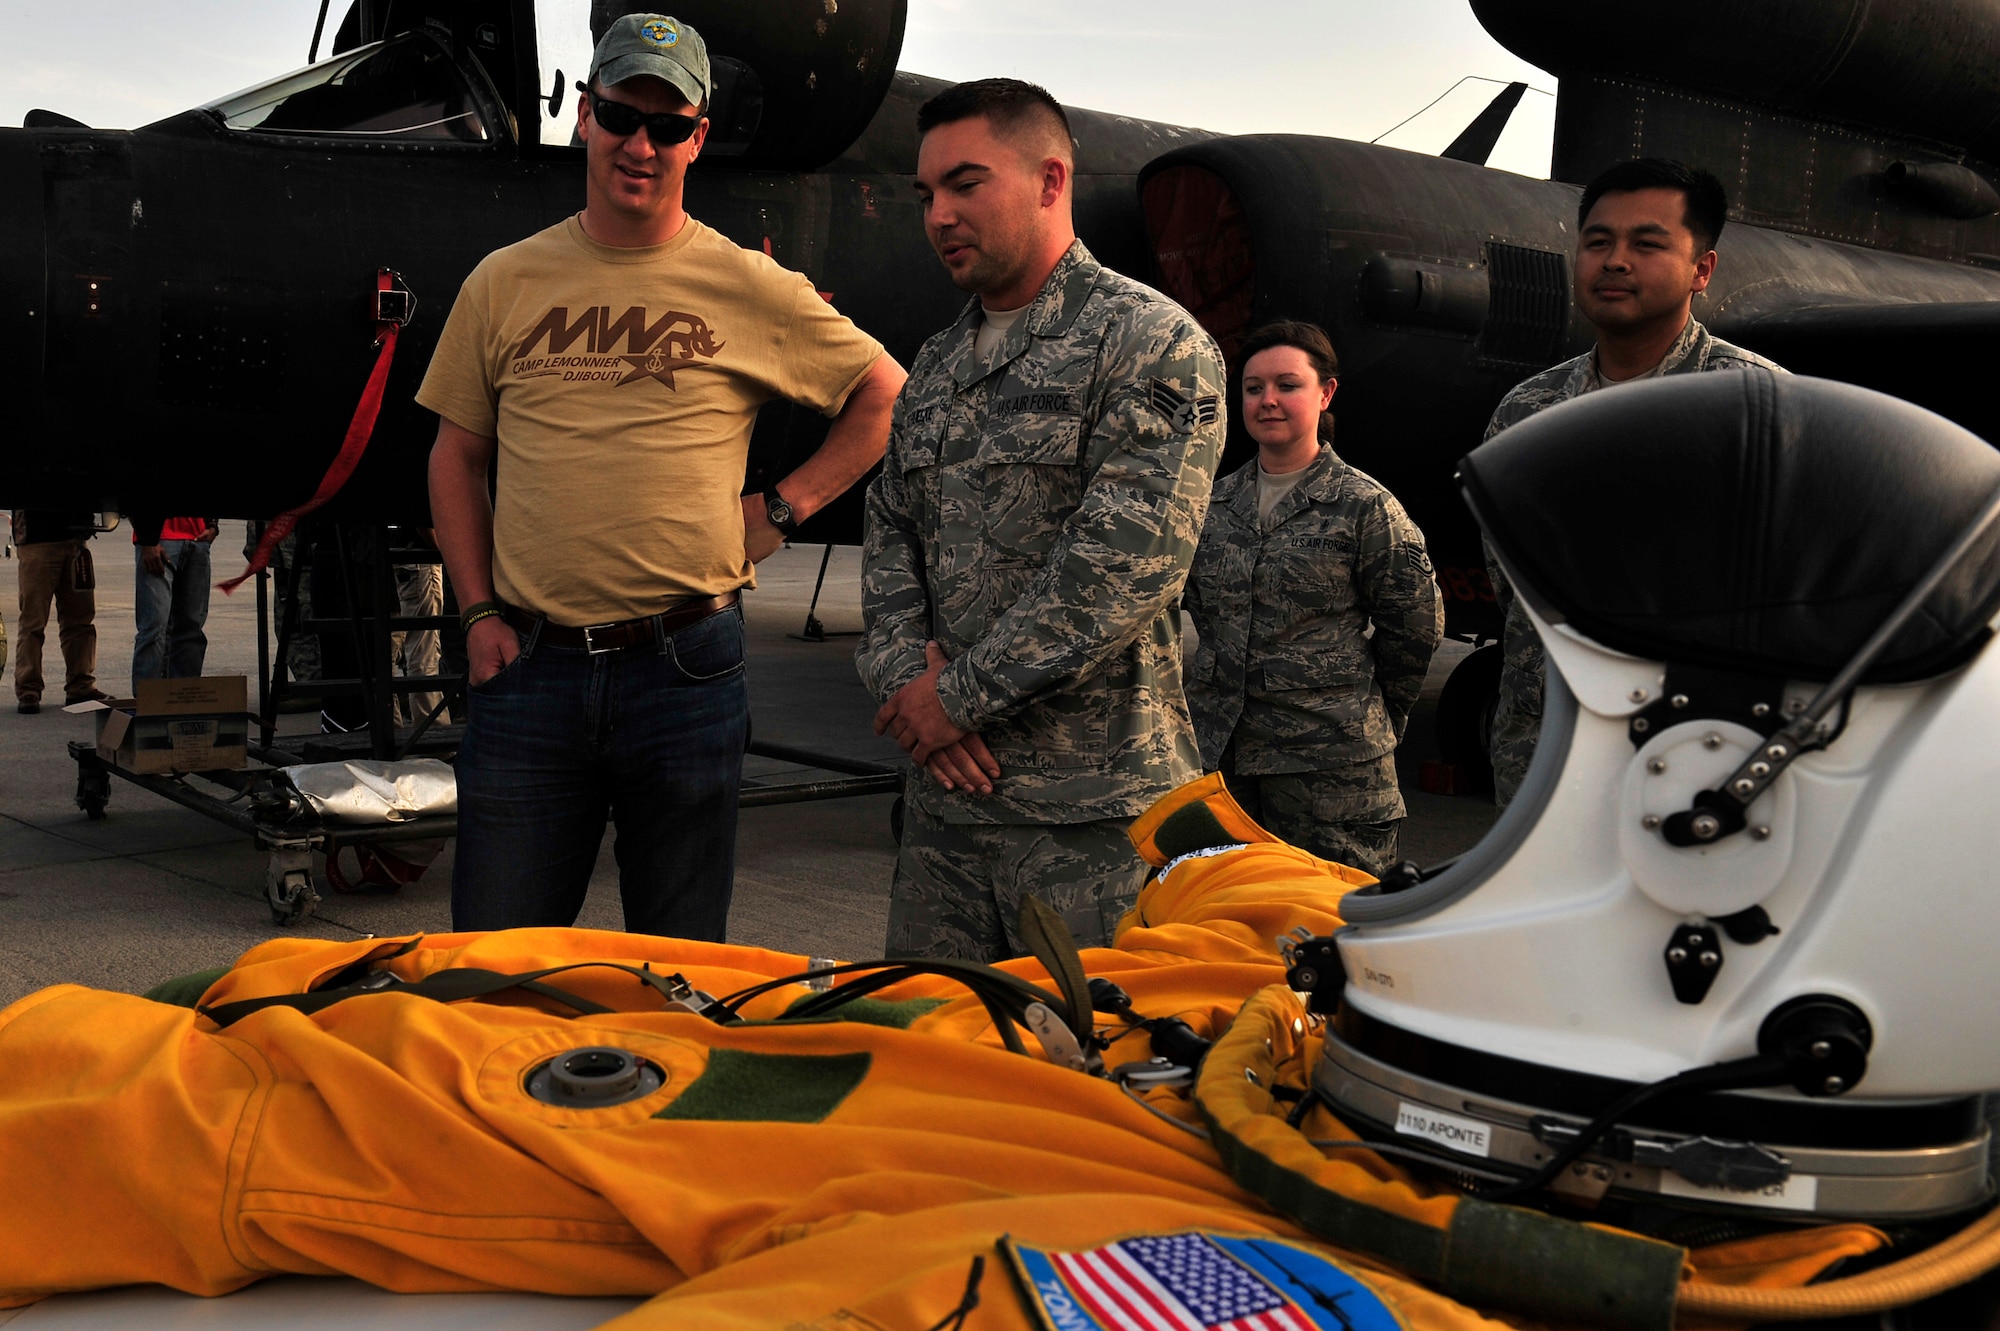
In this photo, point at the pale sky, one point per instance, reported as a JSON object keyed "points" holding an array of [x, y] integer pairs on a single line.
{"points": [[1348, 68]]}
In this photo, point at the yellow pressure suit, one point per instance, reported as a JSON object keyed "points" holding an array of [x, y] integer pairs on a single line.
{"points": [[822, 1174]]}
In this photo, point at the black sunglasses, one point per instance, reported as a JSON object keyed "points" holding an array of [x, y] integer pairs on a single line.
{"points": [[662, 127]]}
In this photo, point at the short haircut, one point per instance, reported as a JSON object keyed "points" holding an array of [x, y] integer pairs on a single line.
{"points": [[1309, 338], [1016, 109], [1707, 203]]}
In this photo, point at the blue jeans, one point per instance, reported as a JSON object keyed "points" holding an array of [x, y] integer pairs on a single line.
{"points": [[652, 735], [169, 610]]}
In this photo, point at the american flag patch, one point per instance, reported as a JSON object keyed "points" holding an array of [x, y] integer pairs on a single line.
{"points": [[1193, 1282]]}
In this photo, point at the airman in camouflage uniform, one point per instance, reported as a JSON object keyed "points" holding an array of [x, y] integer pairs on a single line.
{"points": [[1517, 718], [1035, 516], [1293, 699]]}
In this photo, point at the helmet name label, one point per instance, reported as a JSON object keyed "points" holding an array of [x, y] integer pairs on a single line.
{"points": [[1464, 1135]]}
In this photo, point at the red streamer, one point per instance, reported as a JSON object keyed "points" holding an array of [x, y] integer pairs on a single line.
{"points": [[359, 431]]}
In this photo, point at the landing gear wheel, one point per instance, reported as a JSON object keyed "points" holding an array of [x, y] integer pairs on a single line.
{"points": [[1465, 716], [291, 896], [93, 790], [896, 820]]}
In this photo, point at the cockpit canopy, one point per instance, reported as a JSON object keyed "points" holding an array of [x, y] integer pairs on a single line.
{"points": [[407, 87], [795, 81]]}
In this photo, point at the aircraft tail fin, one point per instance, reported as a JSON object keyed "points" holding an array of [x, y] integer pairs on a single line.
{"points": [[1475, 142]]}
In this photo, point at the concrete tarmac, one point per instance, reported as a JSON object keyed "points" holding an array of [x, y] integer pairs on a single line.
{"points": [[155, 890]]}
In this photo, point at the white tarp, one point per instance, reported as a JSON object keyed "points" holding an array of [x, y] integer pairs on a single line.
{"points": [[374, 790]]}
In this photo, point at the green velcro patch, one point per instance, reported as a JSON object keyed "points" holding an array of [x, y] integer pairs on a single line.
{"points": [[898, 1013], [1491, 1256], [186, 990], [739, 1087], [1190, 829], [1553, 1269]]}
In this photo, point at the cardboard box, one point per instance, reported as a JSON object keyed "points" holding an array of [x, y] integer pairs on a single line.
{"points": [[176, 725]]}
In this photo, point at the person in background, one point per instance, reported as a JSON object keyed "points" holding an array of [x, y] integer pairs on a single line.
{"points": [[1318, 613], [170, 596], [1645, 248], [419, 595], [592, 522], [55, 566], [1027, 539], [301, 647]]}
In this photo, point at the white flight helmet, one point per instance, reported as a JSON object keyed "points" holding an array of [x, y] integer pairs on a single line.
{"points": [[1732, 946]]}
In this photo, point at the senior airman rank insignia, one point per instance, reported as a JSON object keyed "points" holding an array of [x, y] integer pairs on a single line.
{"points": [[1193, 1282], [1184, 413]]}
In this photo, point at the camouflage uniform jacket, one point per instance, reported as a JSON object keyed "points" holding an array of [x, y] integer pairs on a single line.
{"points": [[1036, 515], [1286, 666], [1517, 718]]}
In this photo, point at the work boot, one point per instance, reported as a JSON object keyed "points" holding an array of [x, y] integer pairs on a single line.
{"points": [[29, 706], [95, 695]]}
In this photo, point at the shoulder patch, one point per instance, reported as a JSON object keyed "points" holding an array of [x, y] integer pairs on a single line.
{"points": [[1191, 1280], [1184, 413]]}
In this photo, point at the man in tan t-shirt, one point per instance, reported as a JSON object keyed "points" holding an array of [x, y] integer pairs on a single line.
{"points": [[613, 365]]}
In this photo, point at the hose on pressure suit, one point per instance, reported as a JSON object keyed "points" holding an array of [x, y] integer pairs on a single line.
{"points": [[1964, 1257]]}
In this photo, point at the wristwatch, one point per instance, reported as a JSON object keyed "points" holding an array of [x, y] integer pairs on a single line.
{"points": [[780, 513]]}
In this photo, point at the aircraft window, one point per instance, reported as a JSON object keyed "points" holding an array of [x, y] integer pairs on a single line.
{"points": [[404, 88]]}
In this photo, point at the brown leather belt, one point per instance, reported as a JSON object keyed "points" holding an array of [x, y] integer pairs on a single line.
{"points": [[645, 631]]}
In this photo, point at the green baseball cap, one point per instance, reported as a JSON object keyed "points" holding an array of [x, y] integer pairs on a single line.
{"points": [[655, 46]]}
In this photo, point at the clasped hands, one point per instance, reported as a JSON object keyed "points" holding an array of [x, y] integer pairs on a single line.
{"points": [[956, 759]]}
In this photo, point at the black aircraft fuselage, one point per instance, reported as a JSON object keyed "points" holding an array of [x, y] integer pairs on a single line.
{"points": [[1443, 284], [184, 308]]}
